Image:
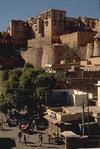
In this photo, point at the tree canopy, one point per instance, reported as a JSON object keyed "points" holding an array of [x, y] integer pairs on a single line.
{"points": [[26, 86]]}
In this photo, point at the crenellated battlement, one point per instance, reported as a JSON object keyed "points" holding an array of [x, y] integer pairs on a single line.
{"points": [[77, 39], [49, 28]]}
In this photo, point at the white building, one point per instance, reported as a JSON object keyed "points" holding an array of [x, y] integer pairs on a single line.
{"points": [[69, 97], [98, 93]]}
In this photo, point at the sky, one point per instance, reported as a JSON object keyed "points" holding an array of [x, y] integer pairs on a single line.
{"points": [[22, 9]]}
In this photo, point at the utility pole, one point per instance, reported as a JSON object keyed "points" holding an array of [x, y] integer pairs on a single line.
{"points": [[88, 111], [46, 98], [83, 117]]}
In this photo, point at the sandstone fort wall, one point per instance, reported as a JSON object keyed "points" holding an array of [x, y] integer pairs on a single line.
{"points": [[77, 39]]}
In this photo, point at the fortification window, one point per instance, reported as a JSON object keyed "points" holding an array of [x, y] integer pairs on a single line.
{"points": [[35, 28], [46, 17], [35, 21], [46, 23], [92, 24]]}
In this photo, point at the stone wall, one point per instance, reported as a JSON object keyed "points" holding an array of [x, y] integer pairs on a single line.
{"points": [[52, 24], [89, 52], [77, 39], [42, 52], [70, 39], [90, 22], [18, 31], [94, 60], [49, 24], [36, 49], [52, 30], [96, 47], [85, 37]]}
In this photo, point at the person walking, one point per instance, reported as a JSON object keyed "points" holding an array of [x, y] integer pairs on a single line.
{"points": [[24, 139], [19, 136], [1, 124], [49, 138], [40, 138]]}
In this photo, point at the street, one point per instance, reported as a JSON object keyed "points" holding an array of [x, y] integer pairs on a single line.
{"points": [[9, 140]]}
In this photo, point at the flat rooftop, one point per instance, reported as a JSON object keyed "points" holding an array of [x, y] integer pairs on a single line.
{"points": [[76, 109]]}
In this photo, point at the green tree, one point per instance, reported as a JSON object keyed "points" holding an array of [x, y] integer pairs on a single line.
{"points": [[44, 83], [10, 89], [45, 80], [26, 86]]}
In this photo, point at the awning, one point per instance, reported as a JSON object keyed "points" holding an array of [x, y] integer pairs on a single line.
{"points": [[54, 121], [69, 134]]}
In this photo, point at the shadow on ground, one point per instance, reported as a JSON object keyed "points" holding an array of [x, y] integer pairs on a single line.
{"points": [[5, 130], [7, 143], [44, 147]]}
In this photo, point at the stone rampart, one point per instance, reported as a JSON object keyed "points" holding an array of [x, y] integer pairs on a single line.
{"points": [[39, 42], [77, 39], [89, 51], [85, 37], [70, 39], [41, 52], [37, 53]]}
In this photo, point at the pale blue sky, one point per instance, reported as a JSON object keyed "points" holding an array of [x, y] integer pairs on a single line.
{"points": [[22, 9]]}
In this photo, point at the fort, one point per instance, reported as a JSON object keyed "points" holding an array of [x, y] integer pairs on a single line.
{"points": [[47, 36]]}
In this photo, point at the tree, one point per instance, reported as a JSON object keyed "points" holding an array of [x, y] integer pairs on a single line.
{"points": [[27, 86], [27, 78], [45, 80], [14, 76], [44, 83], [10, 89]]}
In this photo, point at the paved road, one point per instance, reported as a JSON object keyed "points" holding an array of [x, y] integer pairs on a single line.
{"points": [[8, 137]]}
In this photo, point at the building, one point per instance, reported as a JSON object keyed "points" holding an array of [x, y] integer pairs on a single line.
{"points": [[74, 115], [98, 93], [64, 118], [67, 97], [49, 34], [19, 32], [49, 24], [53, 30], [5, 38], [92, 61]]}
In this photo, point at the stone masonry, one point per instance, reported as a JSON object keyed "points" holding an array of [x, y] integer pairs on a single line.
{"points": [[47, 35]]}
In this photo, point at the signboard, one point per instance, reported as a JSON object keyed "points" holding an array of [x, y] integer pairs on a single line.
{"points": [[53, 115]]}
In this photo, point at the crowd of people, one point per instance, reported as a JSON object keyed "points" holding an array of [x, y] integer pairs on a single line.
{"points": [[22, 138]]}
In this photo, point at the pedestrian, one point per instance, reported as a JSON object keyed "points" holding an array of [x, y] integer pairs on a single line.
{"points": [[1, 124], [49, 138], [19, 136], [35, 128], [40, 138], [24, 139]]}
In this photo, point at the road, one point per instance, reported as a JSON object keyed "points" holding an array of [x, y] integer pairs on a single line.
{"points": [[9, 140]]}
